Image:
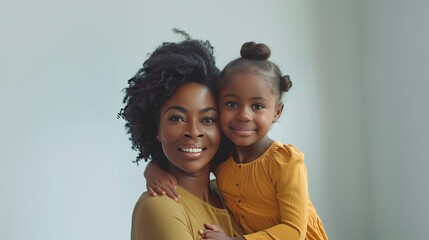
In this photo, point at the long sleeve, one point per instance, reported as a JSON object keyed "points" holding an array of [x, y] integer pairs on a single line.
{"points": [[269, 196]]}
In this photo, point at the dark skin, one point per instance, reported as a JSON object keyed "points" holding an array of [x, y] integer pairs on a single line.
{"points": [[249, 153], [190, 137], [199, 186], [161, 179], [188, 124], [213, 232]]}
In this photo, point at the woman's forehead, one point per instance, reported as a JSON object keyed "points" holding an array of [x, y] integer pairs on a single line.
{"points": [[192, 95]]}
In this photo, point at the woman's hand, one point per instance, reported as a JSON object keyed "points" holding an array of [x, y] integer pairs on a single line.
{"points": [[214, 232], [160, 182]]}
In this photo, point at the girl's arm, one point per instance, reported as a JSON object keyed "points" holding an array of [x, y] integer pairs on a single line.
{"points": [[292, 197], [291, 183], [160, 182], [290, 179]]}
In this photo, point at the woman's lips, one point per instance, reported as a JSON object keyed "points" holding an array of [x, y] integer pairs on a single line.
{"points": [[192, 149], [192, 152]]}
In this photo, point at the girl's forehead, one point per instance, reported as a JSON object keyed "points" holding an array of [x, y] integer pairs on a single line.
{"points": [[248, 80], [248, 83]]}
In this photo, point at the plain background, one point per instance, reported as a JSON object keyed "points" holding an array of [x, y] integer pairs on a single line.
{"points": [[358, 108]]}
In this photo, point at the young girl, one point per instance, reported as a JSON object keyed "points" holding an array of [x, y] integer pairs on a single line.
{"points": [[263, 182]]}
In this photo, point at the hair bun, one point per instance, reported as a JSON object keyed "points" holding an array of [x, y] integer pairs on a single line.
{"points": [[285, 83], [256, 51]]}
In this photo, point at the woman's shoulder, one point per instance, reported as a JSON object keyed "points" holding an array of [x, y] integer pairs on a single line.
{"points": [[148, 204], [158, 217]]}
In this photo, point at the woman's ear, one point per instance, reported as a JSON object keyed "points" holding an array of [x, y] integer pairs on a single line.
{"points": [[278, 111], [158, 137]]}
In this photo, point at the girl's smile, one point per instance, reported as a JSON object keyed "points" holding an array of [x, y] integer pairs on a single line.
{"points": [[248, 108]]}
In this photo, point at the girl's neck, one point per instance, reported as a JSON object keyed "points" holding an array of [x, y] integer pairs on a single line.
{"points": [[246, 154]]}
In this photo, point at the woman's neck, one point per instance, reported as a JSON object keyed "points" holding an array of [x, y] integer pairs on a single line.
{"points": [[198, 184], [246, 154]]}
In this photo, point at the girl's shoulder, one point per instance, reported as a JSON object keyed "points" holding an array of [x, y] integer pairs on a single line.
{"points": [[286, 160], [285, 153]]}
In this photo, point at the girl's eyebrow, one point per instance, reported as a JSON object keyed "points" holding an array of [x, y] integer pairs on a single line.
{"points": [[236, 96], [182, 109], [230, 95]]}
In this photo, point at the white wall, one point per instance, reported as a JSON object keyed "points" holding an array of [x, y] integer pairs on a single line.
{"points": [[396, 81], [65, 161]]}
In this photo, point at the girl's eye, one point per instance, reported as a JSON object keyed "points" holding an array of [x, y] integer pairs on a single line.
{"points": [[176, 118], [258, 106], [231, 104]]}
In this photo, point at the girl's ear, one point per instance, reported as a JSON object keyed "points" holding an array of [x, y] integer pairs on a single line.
{"points": [[278, 111], [157, 137]]}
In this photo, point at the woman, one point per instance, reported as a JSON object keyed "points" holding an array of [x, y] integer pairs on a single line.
{"points": [[171, 114]]}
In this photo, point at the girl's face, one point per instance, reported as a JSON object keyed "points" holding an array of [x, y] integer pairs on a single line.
{"points": [[248, 107], [188, 128]]}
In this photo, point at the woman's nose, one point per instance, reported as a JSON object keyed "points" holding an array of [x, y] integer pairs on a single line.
{"points": [[193, 129]]}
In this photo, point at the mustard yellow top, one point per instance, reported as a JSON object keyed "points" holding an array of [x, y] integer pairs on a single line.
{"points": [[160, 217], [269, 196]]}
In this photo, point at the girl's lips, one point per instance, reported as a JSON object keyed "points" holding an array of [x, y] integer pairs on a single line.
{"points": [[243, 132]]}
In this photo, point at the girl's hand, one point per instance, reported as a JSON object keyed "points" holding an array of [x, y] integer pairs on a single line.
{"points": [[160, 182], [214, 232]]}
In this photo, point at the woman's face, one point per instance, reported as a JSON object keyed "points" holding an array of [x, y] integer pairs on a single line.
{"points": [[188, 128]]}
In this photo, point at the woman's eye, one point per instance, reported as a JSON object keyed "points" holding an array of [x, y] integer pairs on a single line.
{"points": [[176, 119], [209, 120], [258, 106], [231, 104]]}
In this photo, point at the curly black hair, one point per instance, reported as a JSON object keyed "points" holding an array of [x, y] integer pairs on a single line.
{"points": [[256, 55], [170, 66]]}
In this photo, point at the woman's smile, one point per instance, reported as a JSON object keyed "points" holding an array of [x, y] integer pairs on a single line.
{"points": [[188, 129], [191, 152]]}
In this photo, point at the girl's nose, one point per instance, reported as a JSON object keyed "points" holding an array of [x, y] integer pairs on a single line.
{"points": [[245, 114]]}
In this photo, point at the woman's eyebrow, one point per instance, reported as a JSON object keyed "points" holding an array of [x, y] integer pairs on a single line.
{"points": [[208, 109], [179, 108], [182, 109]]}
